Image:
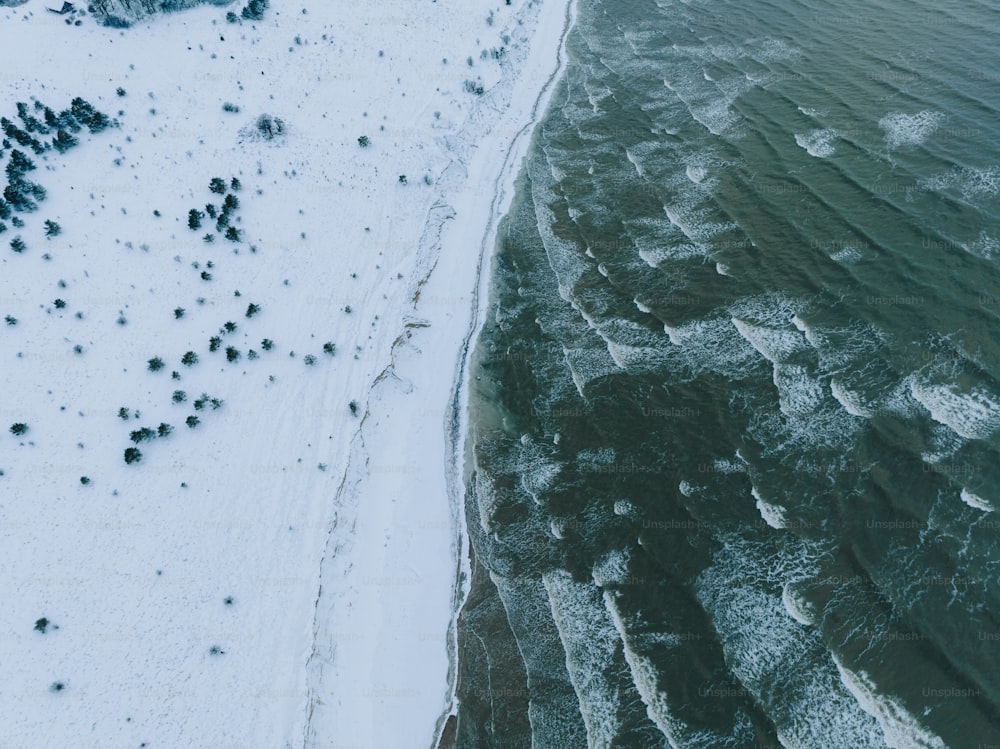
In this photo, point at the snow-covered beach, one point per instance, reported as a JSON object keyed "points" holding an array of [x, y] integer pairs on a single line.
{"points": [[283, 573]]}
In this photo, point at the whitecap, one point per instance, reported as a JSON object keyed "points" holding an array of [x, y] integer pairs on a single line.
{"points": [[974, 414], [983, 246], [773, 515], [847, 255], [797, 607], [852, 402], [903, 129], [902, 730], [972, 183], [818, 143], [696, 173], [975, 501]]}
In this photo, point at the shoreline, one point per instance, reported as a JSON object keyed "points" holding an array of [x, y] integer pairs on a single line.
{"points": [[459, 428]]}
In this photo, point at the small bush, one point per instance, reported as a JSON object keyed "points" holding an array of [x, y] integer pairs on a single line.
{"points": [[19, 429], [192, 421], [232, 354], [235, 184], [179, 396], [353, 406], [178, 313], [217, 186], [363, 141], [267, 344], [329, 348], [52, 229], [254, 10], [309, 360], [155, 364], [123, 413], [120, 91], [164, 429], [232, 17], [230, 107], [85, 480], [142, 435], [233, 234], [194, 219], [132, 455], [10, 320], [17, 244], [208, 239], [270, 127], [59, 304], [41, 625], [189, 359], [252, 309], [229, 327], [214, 342]]}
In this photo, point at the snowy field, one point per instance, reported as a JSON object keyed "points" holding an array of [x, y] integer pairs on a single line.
{"points": [[281, 567]]}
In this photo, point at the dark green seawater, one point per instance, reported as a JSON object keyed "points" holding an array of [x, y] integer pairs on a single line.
{"points": [[736, 407]]}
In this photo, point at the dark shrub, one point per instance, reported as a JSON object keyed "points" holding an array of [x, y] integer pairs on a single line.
{"points": [[270, 127], [142, 435]]}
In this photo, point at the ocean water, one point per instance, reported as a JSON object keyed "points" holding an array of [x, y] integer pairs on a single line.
{"points": [[734, 467]]}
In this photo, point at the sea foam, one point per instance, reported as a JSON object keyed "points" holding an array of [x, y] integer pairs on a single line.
{"points": [[903, 129]]}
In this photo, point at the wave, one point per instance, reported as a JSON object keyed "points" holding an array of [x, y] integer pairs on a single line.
{"points": [[901, 729], [975, 501], [974, 414], [818, 143]]}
